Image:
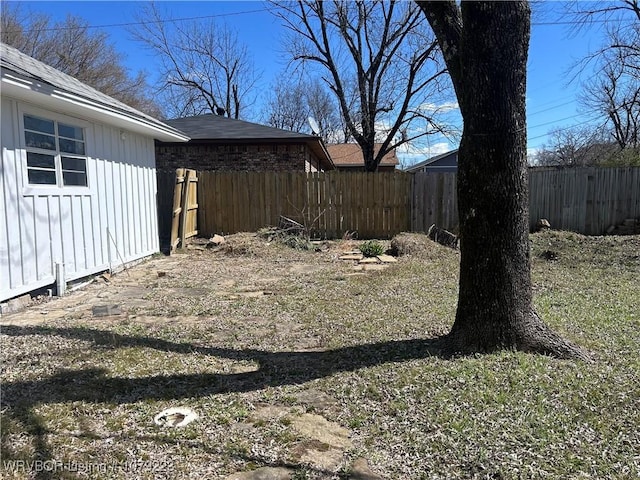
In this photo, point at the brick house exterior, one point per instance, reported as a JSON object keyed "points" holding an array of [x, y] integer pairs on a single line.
{"points": [[221, 143]]}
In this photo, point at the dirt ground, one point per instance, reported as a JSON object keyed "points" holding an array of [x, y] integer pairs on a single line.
{"points": [[245, 266]]}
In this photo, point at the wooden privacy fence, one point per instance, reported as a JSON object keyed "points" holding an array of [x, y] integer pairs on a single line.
{"points": [[380, 205], [586, 200], [434, 201], [329, 204]]}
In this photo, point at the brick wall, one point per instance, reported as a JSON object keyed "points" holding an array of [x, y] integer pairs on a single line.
{"points": [[272, 157]]}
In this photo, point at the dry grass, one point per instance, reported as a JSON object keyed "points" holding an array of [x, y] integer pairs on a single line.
{"points": [[260, 328]]}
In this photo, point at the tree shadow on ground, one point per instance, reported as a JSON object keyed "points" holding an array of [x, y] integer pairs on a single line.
{"points": [[275, 368], [94, 385]]}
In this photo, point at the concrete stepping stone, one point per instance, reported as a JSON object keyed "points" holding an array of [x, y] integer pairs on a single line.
{"points": [[321, 429], [360, 471], [264, 473], [351, 256], [374, 266], [316, 399], [369, 260]]}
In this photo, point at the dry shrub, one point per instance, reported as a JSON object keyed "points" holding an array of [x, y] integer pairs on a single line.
{"points": [[241, 244], [413, 244]]}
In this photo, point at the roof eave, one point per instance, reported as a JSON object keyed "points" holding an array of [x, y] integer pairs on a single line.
{"points": [[29, 89], [323, 153]]}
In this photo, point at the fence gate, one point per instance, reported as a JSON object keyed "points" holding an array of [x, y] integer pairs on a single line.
{"points": [[184, 223]]}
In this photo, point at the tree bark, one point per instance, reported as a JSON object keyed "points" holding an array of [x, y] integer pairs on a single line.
{"points": [[485, 47]]}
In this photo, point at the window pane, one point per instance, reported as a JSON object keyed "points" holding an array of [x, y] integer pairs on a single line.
{"points": [[74, 178], [39, 140], [42, 177], [70, 131], [71, 146], [74, 171], [40, 160], [38, 124], [75, 164]]}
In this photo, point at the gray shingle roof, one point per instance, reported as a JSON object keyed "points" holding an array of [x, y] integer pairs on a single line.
{"points": [[432, 160], [21, 64], [216, 127]]}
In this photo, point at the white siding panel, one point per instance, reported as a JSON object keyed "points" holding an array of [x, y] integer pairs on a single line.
{"points": [[114, 221], [11, 257], [56, 226], [68, 232], [26, 215], [42, 237]]}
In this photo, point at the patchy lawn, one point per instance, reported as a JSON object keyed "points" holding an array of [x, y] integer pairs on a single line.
{"points": [[295, 361]]}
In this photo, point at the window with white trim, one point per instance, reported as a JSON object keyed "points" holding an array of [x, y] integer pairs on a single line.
{"points": [[55, 152]]}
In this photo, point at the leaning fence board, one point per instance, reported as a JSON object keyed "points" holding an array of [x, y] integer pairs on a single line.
{"points": [[177, 208]]}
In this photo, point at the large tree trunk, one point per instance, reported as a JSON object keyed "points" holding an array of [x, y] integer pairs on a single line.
{"points": [[485, 46]]}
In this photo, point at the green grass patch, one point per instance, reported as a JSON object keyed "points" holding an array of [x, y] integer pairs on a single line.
{"points": [[87, 392]]}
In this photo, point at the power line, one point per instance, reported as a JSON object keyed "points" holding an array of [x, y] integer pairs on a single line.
{"points": [[130, 24], [246, 12], [558, 120], [563, 128], [580, 22], [550, 108]]}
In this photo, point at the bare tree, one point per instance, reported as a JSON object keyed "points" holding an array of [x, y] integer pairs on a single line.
{"points": [[292, 101], [616, 94], [380, 61], [485, 46], [575, 146], [323, 109], [204, 67], [71, 47], [614, 89], [286, 105]]}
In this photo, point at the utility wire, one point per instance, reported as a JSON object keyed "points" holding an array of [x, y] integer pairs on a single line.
{"points": [[130, 24], [564, 128], [203, 17]]}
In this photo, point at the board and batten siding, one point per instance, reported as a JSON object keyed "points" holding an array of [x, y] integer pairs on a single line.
{"points": [[86, 230]]}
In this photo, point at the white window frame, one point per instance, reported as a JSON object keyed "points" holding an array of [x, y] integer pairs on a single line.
{"points": [[58, 188]]}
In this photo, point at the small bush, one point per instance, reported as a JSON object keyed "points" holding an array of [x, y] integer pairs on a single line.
{"points": [[296, 242], [371, 248]]}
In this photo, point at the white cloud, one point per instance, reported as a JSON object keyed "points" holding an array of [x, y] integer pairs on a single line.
{"points": [[442, 108]]}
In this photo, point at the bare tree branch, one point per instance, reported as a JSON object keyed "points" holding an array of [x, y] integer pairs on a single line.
{"points": [[378, 58], [203, 58]]}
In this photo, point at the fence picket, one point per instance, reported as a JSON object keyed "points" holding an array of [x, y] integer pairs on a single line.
{"points": [[380, 205]]}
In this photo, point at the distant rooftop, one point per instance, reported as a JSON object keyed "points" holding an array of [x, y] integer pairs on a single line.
{"points": [[350, 155], [447, 158]]}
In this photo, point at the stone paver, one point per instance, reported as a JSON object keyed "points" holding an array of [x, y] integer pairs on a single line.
{"points": [[368, 260], [321, 429], [374, 267], [323, 460], [315, 398], [360, 471], [351, 256], [265, 473]]}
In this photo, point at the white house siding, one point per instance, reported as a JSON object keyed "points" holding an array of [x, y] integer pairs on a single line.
{"points": [[87, 230]]}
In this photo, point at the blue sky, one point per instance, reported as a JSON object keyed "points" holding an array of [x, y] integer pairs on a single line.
{"points": [[551, 98]]}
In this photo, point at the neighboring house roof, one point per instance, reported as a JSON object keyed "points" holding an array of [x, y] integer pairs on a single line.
{"points": [[447, 161], [345, 155], [220, 129], [28, 79]]}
